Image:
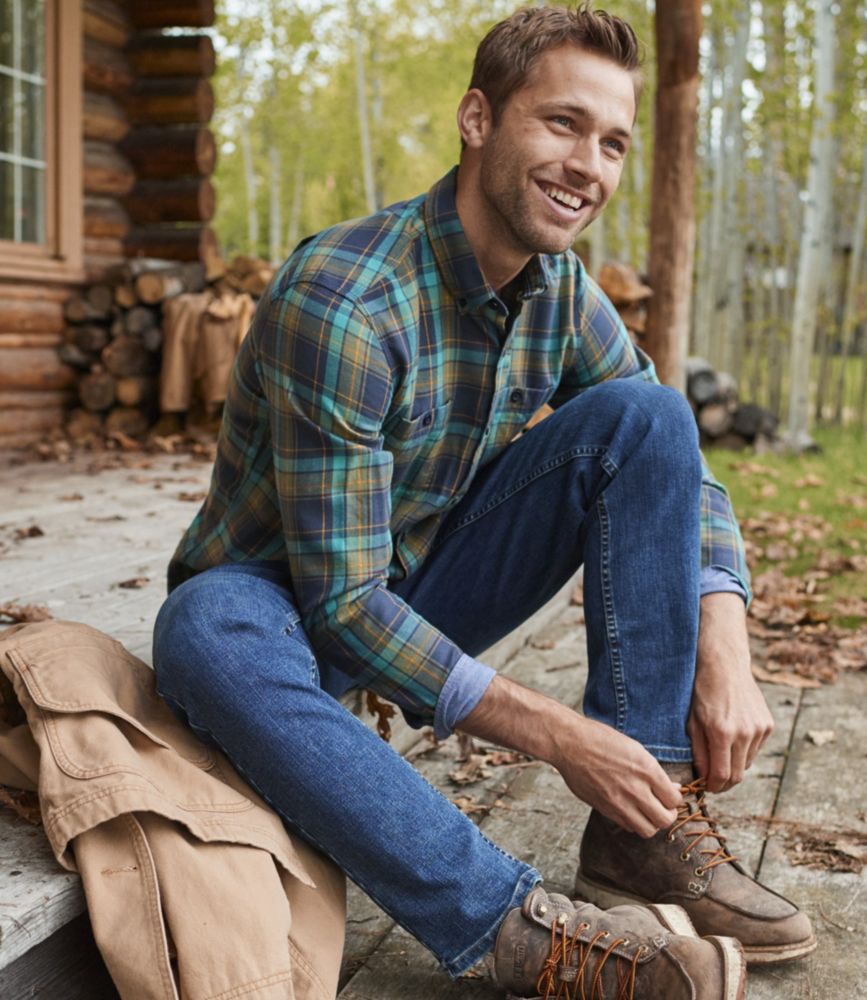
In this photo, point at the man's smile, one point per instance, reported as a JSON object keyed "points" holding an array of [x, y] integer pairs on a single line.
{"points": [[568, 203]]}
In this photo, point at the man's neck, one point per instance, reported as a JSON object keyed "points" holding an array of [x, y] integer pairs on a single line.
{"points": [[498, 263]]}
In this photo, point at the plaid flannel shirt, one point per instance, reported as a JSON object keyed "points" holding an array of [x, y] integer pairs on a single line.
{"points": [[380, 374]]}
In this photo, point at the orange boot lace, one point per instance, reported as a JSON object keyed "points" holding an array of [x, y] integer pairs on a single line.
{"points": [[689, 815], [573, 956]]}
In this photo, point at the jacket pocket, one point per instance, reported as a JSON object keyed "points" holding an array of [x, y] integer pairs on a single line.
{"points": [[101, 716]]}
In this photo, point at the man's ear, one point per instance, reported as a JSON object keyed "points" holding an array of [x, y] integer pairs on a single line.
{"points": [[474, 119]]}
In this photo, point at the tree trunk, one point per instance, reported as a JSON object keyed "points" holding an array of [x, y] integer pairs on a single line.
{"points": [[672, 227], [819, 181], [363, 118], [853, 282]]}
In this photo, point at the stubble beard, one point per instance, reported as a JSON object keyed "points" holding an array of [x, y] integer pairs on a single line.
{"points": [[505, 191]]}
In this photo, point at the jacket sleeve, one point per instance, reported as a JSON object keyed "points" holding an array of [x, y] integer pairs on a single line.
{"points": [[329, 387]]}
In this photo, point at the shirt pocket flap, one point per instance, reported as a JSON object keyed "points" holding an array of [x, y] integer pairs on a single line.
{"points": [[107, 680], [410, 430]]}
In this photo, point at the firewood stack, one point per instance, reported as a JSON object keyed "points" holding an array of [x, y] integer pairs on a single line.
{"points": [[722, 419], [114, 335]]}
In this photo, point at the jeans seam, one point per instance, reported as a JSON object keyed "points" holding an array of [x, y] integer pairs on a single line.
{"points": [[539, 471], [614, 658]]}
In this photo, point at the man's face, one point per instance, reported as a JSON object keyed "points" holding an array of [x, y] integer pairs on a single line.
{"points": [[554, 158]]}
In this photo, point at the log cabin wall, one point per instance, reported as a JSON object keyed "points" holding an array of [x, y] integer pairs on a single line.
{"points": [[147, 159], [170, 147]]}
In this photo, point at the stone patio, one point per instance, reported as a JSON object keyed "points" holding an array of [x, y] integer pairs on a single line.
{"points": [[92, 546]]}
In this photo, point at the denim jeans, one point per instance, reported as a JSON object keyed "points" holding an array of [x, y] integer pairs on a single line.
{"points": [[611, 480]]}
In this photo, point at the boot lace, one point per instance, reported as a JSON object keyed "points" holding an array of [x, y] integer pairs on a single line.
{"points": [[569, 953], [689, 816]]}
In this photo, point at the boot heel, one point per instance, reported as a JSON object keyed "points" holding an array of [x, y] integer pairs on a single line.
{"points": [[734, 964]]}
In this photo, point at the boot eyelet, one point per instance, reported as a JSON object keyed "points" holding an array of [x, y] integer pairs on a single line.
{"points": [[625, 942], [670, 838], [699, 871], [543, 910], [684, 856], [561, 919]]}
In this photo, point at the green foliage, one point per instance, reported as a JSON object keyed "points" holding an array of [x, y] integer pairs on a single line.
{"points": [[818, 500]]}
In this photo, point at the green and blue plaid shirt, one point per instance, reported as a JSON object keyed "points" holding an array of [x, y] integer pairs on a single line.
{"points": [[380, 374]]}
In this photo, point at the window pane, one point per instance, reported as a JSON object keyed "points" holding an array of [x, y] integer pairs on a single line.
{"points": [[7, 202], [32, 205], [32, 120], [33, 37], [7, 114], [6, 56]]}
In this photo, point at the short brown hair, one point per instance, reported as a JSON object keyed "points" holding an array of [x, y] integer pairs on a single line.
{"points": [[507, 54]]}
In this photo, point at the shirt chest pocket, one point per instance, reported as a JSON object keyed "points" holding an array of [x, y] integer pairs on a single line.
{"points": [[414, 442], [514, 406]]}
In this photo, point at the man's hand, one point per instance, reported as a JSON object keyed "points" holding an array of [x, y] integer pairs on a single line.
{"points": [[729, 719], [606, 769]]}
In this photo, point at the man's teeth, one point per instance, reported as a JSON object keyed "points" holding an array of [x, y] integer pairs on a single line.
{"points": [[563, 197]]}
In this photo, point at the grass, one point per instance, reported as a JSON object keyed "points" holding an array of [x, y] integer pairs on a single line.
{"points": [[816, 505]]}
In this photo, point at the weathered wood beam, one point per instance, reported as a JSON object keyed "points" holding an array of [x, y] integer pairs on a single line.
{"points": [[173, 14], [186, 200], [188, 150], [107, 22], [34, 369], [167, 101], [105, 68], [103, 118], [106, 171], [172, 55], [19, 316], [105, 217], [173, 242]]}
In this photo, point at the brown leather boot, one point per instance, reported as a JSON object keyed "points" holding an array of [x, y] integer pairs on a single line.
{"points": [[690, 865], [554, 949]]}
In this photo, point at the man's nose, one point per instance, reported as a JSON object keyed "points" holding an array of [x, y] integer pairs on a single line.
{"points": [[585, 159]]}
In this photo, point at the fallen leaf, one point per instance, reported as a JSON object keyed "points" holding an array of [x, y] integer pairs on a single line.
{"points": [[71, 496], [23, 803], [784, 677], [471, 771], [578, 594], [17, 613], [821, 737], [810, 481], [196, 497], [542, 643], [136, 583], [34, 531]]}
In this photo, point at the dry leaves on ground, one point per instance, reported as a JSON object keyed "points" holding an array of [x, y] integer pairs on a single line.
{"points": [[136, 583], [794, 642], [476, 766], [18, 613], [23, 804], [845, 852]]}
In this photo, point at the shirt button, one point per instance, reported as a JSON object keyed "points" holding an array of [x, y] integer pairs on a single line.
{"points": [[517, 396], [427, 420]]}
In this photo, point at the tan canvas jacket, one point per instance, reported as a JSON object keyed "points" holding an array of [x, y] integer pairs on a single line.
{"points": [[194, 888]]}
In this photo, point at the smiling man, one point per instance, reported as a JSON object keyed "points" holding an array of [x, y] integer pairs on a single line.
{"points": [[377, 519]]}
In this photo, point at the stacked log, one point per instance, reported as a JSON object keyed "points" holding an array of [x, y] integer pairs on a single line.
{"points": [[170, 146], [722, 419], [35, 385], [110, 337], [108, 175]]}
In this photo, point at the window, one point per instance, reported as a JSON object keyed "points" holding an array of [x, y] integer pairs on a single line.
{"points": [[40, 138]]}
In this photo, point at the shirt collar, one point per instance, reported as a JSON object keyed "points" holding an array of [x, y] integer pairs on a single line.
{"points": [[455, 259]]}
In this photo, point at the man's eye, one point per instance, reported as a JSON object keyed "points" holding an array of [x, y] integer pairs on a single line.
{"points": [[615, 145], [562, 120]]}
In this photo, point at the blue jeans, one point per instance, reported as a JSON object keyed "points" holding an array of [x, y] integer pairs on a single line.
{"points": [[611, 479]]}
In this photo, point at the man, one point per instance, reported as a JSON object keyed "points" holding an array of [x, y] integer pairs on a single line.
{"points": [[374, 519]]}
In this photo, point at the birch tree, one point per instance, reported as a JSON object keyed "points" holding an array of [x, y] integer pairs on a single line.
{"points": [[816, 208]]}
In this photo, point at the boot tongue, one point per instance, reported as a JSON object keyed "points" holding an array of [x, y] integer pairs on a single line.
{"points": [[682, 773]]}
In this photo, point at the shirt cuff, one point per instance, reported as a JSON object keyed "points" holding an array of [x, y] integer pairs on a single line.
{"points": [[462, 691], [720, 580]]}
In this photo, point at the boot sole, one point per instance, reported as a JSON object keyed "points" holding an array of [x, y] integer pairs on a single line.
{"points": [[734, 966], [600, 895], [778, 954], [673, 917]]}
